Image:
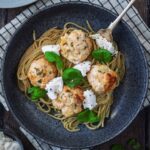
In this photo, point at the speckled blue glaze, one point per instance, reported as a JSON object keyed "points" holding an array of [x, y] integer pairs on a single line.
{"points": [[128, 97]]}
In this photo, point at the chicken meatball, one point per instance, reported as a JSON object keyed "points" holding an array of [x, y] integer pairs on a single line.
{"points": [[69, 101], [76, 46], [102, 78], [41, 72]]}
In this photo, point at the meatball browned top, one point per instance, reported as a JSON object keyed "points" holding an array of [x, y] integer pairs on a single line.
{"points": [[76, 46], [69, 101], [102, 78], [41, 72]]}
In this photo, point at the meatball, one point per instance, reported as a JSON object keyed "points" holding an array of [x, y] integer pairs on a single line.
{"points": [[41, 72], [69, 101], [76, 46], [102, 78]]}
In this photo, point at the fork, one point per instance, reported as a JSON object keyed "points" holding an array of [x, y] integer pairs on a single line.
{"points": [[107, 33]]}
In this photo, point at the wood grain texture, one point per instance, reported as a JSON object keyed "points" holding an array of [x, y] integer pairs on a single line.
{"points": [[3, 17], [143, 8], [135, 130]]}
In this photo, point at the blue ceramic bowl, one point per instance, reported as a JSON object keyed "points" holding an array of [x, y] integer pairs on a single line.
{"points": [[128, 97]]}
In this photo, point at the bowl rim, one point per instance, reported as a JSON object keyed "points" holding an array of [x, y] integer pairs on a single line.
{"points": [[126, 25]]}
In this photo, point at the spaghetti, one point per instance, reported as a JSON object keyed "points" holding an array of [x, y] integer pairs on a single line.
{"points": [[104, 101]]}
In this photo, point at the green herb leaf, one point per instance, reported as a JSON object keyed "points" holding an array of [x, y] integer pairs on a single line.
{"points": [[102, 55], [117, 147], [72, 77], [36, 93], [87, 116], [53, 57], [135, 145]]}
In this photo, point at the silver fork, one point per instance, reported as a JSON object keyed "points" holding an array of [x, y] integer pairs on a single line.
{"points": [[107, 33]]}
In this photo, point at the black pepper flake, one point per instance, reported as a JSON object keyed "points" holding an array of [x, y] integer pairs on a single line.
{"points": [[44, 74], [38, 71], [71, 44], [77, 38], [64, 44], [39, 81], [85, 47]]}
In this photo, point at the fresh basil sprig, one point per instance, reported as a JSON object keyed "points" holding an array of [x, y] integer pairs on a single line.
{"points": [[53, 57], [36, 93], [102, 55], [135, 145], [117, 147], [88, 116], [132, 143], [72, 77]]}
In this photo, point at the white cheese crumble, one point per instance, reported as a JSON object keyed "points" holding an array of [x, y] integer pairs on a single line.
{"points": [[89, 99], [103, 43], [83, 67], [54, 87], [51, 48], [8, 144]]}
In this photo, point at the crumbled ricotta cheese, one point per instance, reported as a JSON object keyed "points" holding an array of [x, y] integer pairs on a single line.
{"points": [[54, 87], [103, 43], [8, 144], [89, 99], [51, 48], [83, 67]]}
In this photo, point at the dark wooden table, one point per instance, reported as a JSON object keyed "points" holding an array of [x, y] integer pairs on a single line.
{"points": [[140, 128]]}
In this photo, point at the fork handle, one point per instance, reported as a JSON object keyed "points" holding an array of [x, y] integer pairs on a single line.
{"points": [[117, 20]]}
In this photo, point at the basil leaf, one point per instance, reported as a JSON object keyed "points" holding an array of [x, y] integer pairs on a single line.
{"points": [[87, 116], [134, 144], [117, 147], [72, 77], [50, 56], [53, 57], [102, 55], [36, 93], [59, 64], [30, 90]]}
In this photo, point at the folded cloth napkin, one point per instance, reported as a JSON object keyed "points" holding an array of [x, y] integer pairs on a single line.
{"points": [[132, 18]]}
